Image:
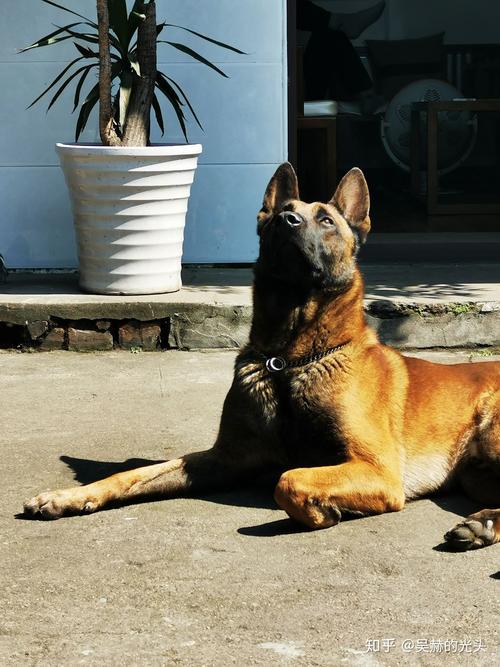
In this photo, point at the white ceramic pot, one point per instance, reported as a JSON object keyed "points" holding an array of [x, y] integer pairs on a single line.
{"points": [[129, 207]]}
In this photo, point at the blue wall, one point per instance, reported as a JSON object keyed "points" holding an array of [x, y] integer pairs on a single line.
{"points": [[244, 119]]}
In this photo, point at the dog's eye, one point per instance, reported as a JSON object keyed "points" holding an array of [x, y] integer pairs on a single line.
{"points": [[327, 221]]}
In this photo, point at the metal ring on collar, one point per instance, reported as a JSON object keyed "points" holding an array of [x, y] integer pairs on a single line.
{"points": [[274, 364]]}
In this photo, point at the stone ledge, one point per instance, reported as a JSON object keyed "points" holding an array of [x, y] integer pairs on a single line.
{"points": [[205, 326], [412, 307]]}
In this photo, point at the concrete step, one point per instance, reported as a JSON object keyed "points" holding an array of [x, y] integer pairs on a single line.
{"points": [[412, 306]]}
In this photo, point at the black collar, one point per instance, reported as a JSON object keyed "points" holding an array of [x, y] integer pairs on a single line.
{"points": [[276, 364]]}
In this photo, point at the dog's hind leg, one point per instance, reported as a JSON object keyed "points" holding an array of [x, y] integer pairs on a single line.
{"points": [[481, 482], [478, 530], [202, 471], [480, 479]]}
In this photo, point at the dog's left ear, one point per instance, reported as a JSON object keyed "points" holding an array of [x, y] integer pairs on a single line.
{"points": [[282, 187], [352, 199]]}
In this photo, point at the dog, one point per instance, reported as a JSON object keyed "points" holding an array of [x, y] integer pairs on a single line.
{"points": [[348, 425]]}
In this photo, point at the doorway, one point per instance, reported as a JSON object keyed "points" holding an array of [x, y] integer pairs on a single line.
{"points": [[431, 151]]}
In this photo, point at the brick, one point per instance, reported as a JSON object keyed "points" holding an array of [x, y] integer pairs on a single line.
{"points": [[145, 335], [103, 325], [37, 328], [80, 340], [54, 340]]}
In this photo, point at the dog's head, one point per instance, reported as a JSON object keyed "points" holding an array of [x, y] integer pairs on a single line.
{"points": [[312, 244]]}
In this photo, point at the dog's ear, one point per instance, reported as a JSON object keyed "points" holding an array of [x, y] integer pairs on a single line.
{"points": [[282, 187], [352, 199]]}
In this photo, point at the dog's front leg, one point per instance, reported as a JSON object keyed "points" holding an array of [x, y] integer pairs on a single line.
{"points": [[201, 471], [317, 497], [240, 452]]}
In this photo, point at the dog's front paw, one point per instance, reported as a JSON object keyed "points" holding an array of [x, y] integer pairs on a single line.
{"points": [[477, 531], [321, 512], [295, 495], [55, 504]]}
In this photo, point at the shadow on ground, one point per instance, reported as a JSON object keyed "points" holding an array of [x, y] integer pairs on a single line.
{"points": [[459, 291], [87, 471], [259, 495]]}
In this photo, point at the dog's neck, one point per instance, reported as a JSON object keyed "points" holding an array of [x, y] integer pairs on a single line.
{"points": [[296, 323]]}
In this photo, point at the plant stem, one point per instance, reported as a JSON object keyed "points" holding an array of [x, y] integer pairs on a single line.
{"points": [[136, 131]]}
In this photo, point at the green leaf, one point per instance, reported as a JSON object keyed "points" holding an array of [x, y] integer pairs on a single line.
{"points": [[158, 114], [118, 21], [49, 39], [87, 106], [55, 41], [159, 28], [183, 95], [70, 11], [86, 53], [94, 39], [134, 65], [90, 102], [207, 39], [84, 36], [76, 99], [58, 78], [164, 86], [196, 56], [68, 80], [162, 83], [135, 17], [126, 81]]}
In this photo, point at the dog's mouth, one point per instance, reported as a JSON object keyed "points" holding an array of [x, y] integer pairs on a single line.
{"points": [[312, 254], [296, 252], [290, 260]]}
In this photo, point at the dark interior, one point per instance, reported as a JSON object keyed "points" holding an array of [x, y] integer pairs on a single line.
{"points": [[428, 139]]}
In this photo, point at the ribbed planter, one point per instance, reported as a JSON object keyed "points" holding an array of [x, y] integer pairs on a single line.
{"points": [[129, 207]]}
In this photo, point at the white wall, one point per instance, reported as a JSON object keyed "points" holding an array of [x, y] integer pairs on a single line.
{"points": [[244, 118]]}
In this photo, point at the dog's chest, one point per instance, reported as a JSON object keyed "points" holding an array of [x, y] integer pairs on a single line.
{"points": [[309, 421], [294, 408], [255, 381]]}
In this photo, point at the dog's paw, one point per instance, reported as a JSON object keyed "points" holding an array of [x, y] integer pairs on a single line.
{"points": [[475, 532], [295, 494], [321, 512], [55, 504]]}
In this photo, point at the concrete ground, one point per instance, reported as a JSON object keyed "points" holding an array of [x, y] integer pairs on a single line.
{"points": [[216, 581]]}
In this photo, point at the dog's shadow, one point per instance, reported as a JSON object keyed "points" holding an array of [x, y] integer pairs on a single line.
{"points": [[258, 496], [87, 471]]}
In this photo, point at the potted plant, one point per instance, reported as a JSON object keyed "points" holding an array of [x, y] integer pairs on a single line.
{"points": [[129, 197]]}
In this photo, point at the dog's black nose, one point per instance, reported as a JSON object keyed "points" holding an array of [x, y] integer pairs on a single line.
{"points": [[291, 218]]}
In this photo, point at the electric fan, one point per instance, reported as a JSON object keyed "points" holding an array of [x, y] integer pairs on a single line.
{"points": [[457, 130]]}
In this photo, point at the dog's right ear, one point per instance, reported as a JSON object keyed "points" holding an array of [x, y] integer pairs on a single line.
{"points": [[282, 187]]}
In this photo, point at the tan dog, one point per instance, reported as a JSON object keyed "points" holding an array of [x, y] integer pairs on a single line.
{"points": [[351, 425]]}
